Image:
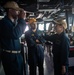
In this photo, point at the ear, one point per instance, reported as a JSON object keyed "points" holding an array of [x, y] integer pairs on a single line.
{"points": [[10, 10]]}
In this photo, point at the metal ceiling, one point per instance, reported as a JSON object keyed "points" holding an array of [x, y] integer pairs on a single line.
{"points": [[43, 9]]}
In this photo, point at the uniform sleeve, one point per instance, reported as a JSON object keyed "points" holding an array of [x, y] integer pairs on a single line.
{"points": [[9, 31], [29, 40], [49, 38], [65, 51], [42, 40]]}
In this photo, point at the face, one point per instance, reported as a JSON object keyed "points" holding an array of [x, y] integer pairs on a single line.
{"points": [[58, 28], [33, 25], [14, 13]]}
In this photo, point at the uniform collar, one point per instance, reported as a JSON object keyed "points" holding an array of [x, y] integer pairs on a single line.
{"points": [[61, 33]]}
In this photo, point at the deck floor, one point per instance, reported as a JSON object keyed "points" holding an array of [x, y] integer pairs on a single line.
{"points": [[48, 66]]}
